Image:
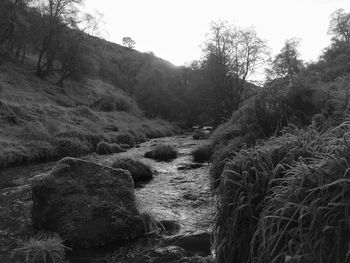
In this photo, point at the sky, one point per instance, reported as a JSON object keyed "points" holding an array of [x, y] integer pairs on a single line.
{"points": [[175, 29]]}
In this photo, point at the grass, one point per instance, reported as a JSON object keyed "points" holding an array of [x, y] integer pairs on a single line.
{"points": [[286, 199], [42, 248], [41, 122], [139, 171], [202, 153], [108, 148], [163, 152]]}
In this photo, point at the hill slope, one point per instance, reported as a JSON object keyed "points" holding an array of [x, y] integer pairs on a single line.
{"points": [[41, 121]]}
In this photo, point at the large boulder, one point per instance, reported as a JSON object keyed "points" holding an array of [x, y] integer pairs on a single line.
{"points": [[86, 204]]}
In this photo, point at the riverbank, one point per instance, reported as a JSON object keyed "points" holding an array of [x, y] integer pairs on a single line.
{"points": [[179, 192], [41, 122]]}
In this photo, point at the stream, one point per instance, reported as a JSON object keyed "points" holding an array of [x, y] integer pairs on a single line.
{"points": [[179, 191]]}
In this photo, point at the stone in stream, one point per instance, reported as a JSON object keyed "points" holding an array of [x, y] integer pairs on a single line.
{"points": [[86, 204]]}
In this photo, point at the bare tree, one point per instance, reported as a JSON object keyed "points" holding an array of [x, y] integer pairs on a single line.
{"points": [[340, 25], [232, 55], [56, 15], [287, 64]]}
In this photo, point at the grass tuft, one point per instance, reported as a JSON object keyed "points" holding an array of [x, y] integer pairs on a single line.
{"points": [[202, 153], [286, 200], [42, 248], [163, 152]]}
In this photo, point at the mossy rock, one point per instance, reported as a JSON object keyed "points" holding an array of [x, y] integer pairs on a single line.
{"points": [[86, 204]]}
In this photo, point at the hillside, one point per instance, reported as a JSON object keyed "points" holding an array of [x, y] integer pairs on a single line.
{"points": [[41, 121]]}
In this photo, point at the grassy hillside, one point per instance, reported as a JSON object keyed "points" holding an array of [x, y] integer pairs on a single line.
{"points": [[41, 121]]}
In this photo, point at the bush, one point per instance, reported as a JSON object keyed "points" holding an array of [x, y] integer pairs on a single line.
{"points": [[108, 148], [162, 152], [202, 153], [139, 171], [42, 248]]}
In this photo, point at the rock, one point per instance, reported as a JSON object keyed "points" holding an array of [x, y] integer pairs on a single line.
{"points": [[86, 204], [139, 171], [194, 244]]}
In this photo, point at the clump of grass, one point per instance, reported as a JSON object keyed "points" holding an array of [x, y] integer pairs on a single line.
{"points": [[108, 148], [86, 137], [122, 138], [139, 171], [163, 152], [42, 248], [72, 147], [245, 184], [202, 153], [151, 225], [306, 215]]}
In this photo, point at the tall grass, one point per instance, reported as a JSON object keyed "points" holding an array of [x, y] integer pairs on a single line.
{"points": [[247, 183]]}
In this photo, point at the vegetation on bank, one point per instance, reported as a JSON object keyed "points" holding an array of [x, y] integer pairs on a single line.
{"points": [[40, 122], [280, 164]]}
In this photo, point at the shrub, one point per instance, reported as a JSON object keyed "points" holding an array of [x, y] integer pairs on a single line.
{"points": [[162, 152], [42, 248], [202, 153], [108, 148], [139, 171]]}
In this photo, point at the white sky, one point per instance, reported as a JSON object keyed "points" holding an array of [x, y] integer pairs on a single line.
{"points": [[175, 29]]}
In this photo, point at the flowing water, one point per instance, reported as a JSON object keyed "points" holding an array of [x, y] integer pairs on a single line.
{"points": [[178, 191]]}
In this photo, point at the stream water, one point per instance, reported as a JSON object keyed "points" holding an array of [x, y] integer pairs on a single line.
{"points": [[179, 191]]}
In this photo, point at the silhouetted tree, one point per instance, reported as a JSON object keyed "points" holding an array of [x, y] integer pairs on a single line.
{"points": [[56, 15], [128, 42], [287, 64], [231, 55], [340, 25]]}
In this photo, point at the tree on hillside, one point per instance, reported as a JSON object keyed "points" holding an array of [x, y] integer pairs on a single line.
{"points": [[340, 25], [231, 56], [55, 16], [7, 20], [287, 64], [128, 42], [70, 48]]}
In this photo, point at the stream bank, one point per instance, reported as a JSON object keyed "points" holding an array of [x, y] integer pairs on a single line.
{"points": [[179, 191]]}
